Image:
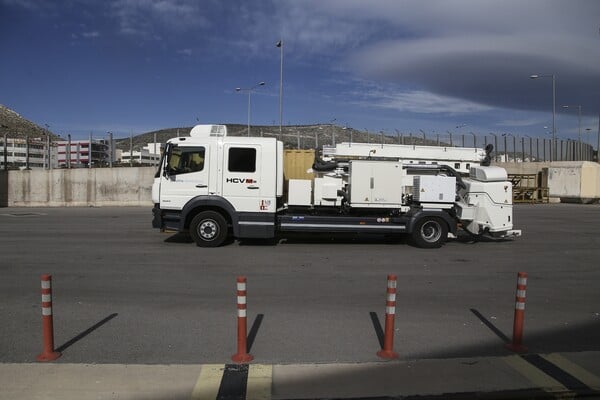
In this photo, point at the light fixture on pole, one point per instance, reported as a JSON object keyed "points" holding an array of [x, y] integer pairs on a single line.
{"points": [[553, 154], [249, 91], [280, 45]]}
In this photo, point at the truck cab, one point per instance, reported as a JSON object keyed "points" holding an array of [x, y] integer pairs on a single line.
{"points": [[213, 185]]}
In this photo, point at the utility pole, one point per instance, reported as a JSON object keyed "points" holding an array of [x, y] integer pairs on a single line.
{"points": [[280, 45]]}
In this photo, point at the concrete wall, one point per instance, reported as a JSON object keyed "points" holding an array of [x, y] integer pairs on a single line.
{"points": [[81, 187], [568, 180]]}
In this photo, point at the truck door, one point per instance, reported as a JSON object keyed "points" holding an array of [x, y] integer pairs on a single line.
{"points": [[242, 177], [185, 175]]}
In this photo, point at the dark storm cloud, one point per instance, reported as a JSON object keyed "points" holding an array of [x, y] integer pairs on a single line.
{"points": [[491, 63]]}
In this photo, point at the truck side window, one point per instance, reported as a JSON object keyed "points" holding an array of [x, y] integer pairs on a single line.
{"points": [[184, 160], [242, 159]]}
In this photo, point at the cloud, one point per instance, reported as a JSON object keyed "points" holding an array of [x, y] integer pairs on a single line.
{"points": [[521, 122], [146, 17], [185, 52], [90, 35], [481, 52], [415, 101], [32, 5]]}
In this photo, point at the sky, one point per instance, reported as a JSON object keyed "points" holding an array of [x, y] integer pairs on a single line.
{"points": [[133, 66]]}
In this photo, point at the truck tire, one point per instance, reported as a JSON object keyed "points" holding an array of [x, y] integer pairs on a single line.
{"points": [[430, 233], [208, 229]]}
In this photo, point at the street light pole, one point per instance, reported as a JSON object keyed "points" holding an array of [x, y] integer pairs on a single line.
{"points": [[598, 139], [450, 133], [495, 145], [514, 146], [5, 152], [530, 148], [48, 142], [553, 152], [249, 91], [474, 140], [579, 146], [5, 146], [280, 45]]}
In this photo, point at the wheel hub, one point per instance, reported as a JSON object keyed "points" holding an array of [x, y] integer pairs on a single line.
{"points": [[431, 231], [208, 230]]}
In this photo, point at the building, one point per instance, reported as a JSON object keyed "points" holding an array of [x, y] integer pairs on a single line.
{"points": [[149, 155], [79, 151], [23, 153]]}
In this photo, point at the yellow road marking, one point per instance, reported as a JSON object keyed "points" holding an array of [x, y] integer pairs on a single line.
{"points": [[534, 375], [583, 375], [209, 381], [260, 378]]}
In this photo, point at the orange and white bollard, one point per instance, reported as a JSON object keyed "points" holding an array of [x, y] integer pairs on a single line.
{"points": [[48, 353], [387, 351], [242, 355], [517, 340]]}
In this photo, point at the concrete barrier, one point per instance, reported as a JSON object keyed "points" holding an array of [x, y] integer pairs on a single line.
{"points": [[568, 181], [575, 183], [81, 187]]}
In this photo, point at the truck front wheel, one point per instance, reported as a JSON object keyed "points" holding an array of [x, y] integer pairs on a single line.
{"points": [[430, 233], [208, 229]]}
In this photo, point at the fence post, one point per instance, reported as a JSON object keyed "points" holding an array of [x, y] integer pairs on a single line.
{"points": [[48, 353]]}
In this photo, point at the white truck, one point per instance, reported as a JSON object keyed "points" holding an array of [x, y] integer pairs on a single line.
{"points": [[216, 186]]}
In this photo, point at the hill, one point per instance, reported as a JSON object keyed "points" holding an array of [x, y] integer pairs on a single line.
{"points": [[15, 125], [293, 136], [308, 136]]}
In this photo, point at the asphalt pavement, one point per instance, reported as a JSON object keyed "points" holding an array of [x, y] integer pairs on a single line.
{"points": [[127, 294]]}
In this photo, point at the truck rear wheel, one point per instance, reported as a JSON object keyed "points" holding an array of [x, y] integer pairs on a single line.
{"points": [[430, 233], [208, 229]]}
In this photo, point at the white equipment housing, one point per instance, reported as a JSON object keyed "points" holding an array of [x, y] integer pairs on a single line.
{"points": [[486, 203]]}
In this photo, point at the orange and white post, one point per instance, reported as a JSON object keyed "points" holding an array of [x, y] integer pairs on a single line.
{"points": [[387, 351], [242, 355], [48, 353], [517, 341]]}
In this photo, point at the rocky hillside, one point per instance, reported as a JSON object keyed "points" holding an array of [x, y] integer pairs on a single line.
{"points": [[14, 125], [310, 135]]}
